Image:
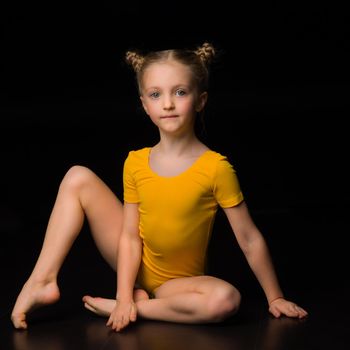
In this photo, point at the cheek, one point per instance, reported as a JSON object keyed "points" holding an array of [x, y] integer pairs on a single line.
{"points": [[152, 109], [188, 106], [152, 112]]}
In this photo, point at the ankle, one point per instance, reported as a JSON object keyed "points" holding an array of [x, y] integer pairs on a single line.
{"points": [[37, 278]]}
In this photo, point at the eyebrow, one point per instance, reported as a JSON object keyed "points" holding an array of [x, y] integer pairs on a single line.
{"points": [[172, 88]]}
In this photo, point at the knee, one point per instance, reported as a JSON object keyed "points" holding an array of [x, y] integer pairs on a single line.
{"points": [[223, 303], [76, 177]]}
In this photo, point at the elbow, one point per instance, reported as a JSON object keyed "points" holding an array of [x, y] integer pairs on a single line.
{"points": [[129, 240], [250, 246]]}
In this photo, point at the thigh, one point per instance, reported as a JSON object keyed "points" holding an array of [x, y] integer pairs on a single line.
{"points": [[196, 284], [102, 208]]}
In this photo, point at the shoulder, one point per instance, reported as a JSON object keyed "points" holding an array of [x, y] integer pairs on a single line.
{"points": [[136, 159], [220, 164], [217, 158], [138, 154]]}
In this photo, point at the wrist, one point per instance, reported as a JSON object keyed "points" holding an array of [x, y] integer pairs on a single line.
{"points": [[270, 301], [124, 298]]}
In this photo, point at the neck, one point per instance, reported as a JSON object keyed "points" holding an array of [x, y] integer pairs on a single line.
{"points": [[177, 145]]}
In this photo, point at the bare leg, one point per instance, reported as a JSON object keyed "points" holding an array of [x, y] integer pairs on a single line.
{"points": [[81, 193], [198, 299]]}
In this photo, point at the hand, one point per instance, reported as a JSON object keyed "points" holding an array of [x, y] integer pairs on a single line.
{"points": [[282, 306], [122, 314]]}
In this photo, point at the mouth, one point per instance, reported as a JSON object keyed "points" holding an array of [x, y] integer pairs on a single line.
{"points": [[168, 116]]}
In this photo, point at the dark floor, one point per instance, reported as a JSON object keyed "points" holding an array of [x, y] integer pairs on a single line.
{"points": [[251, 329], [71, 327], [67, 325]]}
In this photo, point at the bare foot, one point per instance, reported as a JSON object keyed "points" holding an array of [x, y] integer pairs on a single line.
{"points": [[99, 306], [32, 296], [104, 307]]}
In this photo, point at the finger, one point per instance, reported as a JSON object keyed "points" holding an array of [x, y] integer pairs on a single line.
{"points": [[121, 324], [110, 321], [118, 324], [292, 311], [275, 312], [115, 325], [133, 313], [302, 312]]}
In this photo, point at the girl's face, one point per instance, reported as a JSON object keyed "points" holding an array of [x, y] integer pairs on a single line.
{"points": [[170, 97]]}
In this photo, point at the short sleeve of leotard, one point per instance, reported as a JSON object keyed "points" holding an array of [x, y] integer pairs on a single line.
{"points": [[130, 191], [227, 190]]}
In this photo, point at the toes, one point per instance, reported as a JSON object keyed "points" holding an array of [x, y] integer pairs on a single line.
{"points": [[19, 321], [89, 300], [89, 307], [86, 298], [89, 303]]}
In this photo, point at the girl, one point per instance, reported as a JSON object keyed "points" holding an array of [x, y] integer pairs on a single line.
{"points": [[158, 239]]}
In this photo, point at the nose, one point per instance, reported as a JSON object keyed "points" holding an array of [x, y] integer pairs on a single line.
{"points": [[168, 103]]}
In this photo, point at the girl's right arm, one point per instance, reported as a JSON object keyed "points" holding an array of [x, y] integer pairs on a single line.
{"points": [[129, 258]]}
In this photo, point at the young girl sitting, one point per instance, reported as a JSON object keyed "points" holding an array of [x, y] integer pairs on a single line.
{"points": [[157, 239]]}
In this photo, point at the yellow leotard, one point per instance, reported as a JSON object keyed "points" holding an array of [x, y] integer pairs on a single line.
{"points": [[177, 213]]}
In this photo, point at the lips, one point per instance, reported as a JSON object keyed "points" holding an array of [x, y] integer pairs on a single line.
{"points": [[169, 116]]}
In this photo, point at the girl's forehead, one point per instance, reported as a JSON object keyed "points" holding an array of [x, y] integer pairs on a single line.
{"points": [[168, 66], [164, 70]]}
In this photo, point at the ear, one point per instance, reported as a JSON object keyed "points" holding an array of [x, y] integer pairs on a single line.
{"points": [[202, 100], [144, 104]]}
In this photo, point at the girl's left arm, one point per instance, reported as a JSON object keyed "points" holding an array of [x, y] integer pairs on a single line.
{"points": [[255, 249]]}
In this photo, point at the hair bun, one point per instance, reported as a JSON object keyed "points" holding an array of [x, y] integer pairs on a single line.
{"points": [[135, 60], [206, 53]]}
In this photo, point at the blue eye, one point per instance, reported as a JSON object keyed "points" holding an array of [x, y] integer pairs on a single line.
{"points": [[180, 92], [154, 94]]}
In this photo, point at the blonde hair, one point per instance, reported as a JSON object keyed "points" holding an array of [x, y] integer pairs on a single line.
{"points": [[197, 60]]}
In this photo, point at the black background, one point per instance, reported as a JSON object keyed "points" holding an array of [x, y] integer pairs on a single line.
{"points": [[278, 108]]}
